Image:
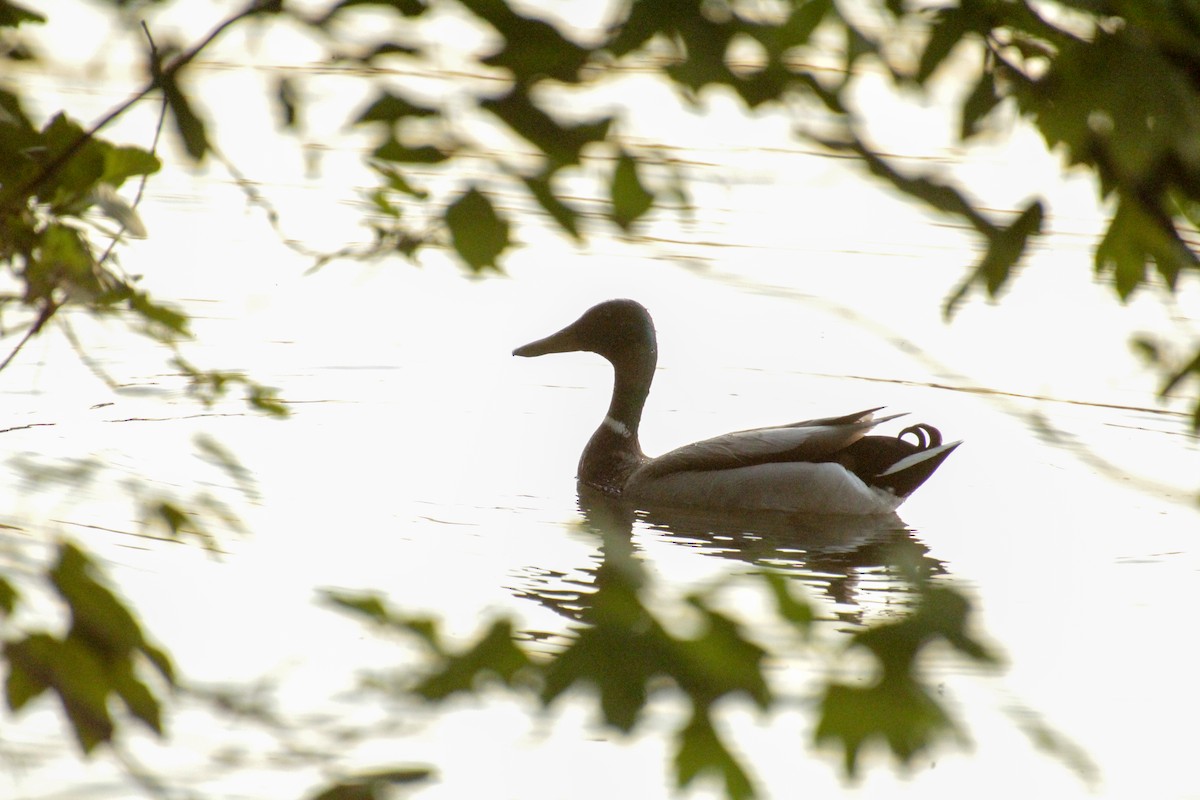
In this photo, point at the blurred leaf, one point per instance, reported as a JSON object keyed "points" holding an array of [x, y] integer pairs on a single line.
{"points": [[191, 129], [566, 217], [29, 668], [630, 199], [720, 661], [287, 99], [408, 8], [950, 27], [1006, 246], [532, 48], [495, 654], [74, 178], [12, 15], [8, 597], [389, 107], [372, 785], [392, 150], [899, 713], [979, 103], [702, 751], [124, 162], [479, 235], [1135, 237], [562, 144], [97, 616], [167, 319], [175, 518], [796, 611], [803, 20]]}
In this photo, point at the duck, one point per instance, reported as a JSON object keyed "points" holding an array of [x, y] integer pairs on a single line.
{"points": [[831, 465]]}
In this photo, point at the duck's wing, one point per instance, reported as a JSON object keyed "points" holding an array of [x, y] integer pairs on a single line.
{"points": [[808, 441]]}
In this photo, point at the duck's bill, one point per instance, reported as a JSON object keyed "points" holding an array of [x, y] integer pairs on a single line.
{"points": [[565, 341]]}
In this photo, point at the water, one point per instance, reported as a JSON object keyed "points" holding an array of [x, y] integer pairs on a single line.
{"points": [[424, 461]]}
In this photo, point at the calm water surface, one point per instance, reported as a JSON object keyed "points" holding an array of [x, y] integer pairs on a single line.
{"points": [[424, 461]]}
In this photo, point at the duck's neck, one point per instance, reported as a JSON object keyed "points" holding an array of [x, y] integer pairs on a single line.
{"points": [[614, 452]]}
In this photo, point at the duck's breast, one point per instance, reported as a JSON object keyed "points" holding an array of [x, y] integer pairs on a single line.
{"points": [[825, 488]]}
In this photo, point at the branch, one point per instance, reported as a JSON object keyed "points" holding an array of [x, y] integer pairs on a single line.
{"points": [[52, 167]]}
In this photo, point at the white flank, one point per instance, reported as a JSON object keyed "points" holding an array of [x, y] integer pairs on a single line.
{"points": [[917, 458]]}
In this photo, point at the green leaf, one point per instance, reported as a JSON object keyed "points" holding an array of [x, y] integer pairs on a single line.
{"points": [[167, 319], [532, 48], [479, 235], [899, 713], [125, 162], [12, 15], [391, 108], [803, 20], [97, 616], [392, 150], [409, 8], [630, 199], [495, 654], [720, 661], [75, 178], [566, 217], [949, 28], [702, 751], [8, 597], [287, 100], [372, 785], [188, 125], [29, 668], [794, 610], [978, 104], [562, 144]]}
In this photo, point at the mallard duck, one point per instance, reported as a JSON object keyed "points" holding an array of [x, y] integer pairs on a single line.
{"points": [[827, 466]]}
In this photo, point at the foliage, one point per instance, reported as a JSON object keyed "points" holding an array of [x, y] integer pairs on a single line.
{"points": [[103, 655], [628, 650], [1077, 70]]}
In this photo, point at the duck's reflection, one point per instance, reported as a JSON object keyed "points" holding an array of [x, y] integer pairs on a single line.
{"points": [[851, 561]]}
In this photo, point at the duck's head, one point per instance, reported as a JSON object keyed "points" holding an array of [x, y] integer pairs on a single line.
{"points": [[619, 330]]}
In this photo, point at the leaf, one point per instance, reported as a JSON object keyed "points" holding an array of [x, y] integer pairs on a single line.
{"points": [[562, 144], [803, 20], [1006, 246], [408, 8], [630, 199], [899, 713], [949, 28], [390, 108], [12, 15], [566, 217], [978, 104], [392, 150], [287, 99], [371, 786], [188, 125], [8, 597], [720, 661], [166, 318], [701, 751], [532, 49], [479, 235], [29, 668], [495, 654], [125, 162], [97, 616], [792, 609], [74, 178]]}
